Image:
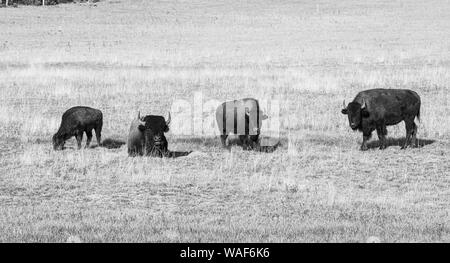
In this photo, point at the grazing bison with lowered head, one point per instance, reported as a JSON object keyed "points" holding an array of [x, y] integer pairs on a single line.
{"points": [[155, 141], [377, 108], [241, 117], [75, 121], [136, 138]]}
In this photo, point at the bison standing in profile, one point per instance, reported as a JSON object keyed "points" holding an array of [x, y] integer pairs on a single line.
{"points": [[136, 139], [242, 117], [377, 108], [75, 121]]}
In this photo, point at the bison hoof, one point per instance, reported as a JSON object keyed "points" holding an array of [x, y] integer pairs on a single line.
{"points": [[364, 148], [382, 147]]}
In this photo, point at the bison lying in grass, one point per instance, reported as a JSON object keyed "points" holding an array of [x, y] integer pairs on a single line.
{"points": [[146, 137], [155, 141]]}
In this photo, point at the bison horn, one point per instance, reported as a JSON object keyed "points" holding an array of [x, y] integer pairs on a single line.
{"points": [[139, 116], [363, 104], [343, 104], [141, 121], [168, 119]]}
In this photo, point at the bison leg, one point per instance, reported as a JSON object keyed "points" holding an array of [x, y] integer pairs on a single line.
{"points": [[409, 125], [255, 141], [245, 141], [366, 137], [414, 136], [223, 139], [98, 134], [381, 132], [411, 130], [89, 138], [79, 137], [249, 142]]}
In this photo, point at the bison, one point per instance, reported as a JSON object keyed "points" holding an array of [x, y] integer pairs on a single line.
{"points": [[155, 142], [136, 139], [377, 108], [242, 117], [75, 121]]}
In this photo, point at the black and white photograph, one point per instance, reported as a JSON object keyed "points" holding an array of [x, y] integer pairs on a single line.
{"points": [[224, 122]]}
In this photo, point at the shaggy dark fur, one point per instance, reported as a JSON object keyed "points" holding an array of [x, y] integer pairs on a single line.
{"points": [[155, 141], [75, 121], [377, 108]]}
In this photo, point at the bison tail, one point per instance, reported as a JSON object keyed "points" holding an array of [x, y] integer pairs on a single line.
{"points": [[418, 110], [418, 115]]}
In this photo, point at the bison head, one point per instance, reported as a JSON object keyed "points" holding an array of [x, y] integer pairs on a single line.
{"points": [[155, 141], [255, 119], [355, 112], [58, 142]]}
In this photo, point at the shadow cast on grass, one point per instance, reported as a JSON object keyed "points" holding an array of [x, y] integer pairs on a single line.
{"points": [[176, 154], [109, 143], [399, 142], [168, 154], [206, 141], [268, 146]]}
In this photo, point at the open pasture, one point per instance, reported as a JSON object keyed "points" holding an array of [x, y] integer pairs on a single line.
{"points": [[122, 56]]}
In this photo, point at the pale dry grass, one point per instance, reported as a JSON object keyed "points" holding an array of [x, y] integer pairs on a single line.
{"points": [[317, 186]]}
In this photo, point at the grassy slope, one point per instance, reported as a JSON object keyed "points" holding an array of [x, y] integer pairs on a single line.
{"points": [[130, 55]]}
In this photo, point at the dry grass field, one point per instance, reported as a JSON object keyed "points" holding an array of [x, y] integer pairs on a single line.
{"points": [[122, 56]]}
